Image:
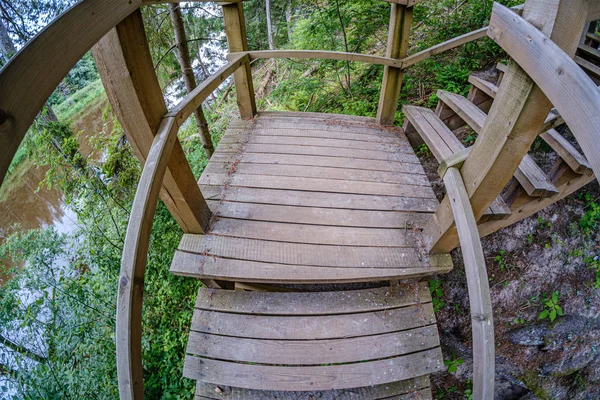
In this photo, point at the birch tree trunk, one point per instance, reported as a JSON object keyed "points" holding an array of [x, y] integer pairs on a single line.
{"points": [[183, 55], [269, 26]]}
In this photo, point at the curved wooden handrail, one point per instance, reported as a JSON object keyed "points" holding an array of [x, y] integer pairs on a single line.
{"points": [[567, 86], [321, 54], [482, 321], [137, 239], [33, 73]]}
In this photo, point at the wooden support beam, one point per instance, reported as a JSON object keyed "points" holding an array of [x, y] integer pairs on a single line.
{"points": [[31, 76], [397, 47], [126, 69], [513, 123], [235, 30]]}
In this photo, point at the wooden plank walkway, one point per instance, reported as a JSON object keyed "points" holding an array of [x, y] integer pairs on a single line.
{"points": [[314, 198], [323, 200]]}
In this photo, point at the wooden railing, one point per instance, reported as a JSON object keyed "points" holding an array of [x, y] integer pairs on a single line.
{"points": [[29, 78]]}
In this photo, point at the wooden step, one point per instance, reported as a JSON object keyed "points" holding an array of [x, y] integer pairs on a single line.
{"points": [[529, 174], [314, 341], [417, 388], [443, 144], [567, 152], [486, 87], [588, 52], [592, 38], [591, 69]]}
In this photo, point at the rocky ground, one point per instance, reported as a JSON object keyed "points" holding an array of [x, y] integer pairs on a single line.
{"points": [[546, 253]]}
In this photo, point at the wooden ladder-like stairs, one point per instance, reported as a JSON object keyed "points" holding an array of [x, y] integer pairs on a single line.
{"points": [[324, 213]]}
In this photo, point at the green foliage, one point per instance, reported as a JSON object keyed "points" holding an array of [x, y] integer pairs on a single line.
{"points": [[551, 307], [589, 220], [499, 259], [453, 364], [79, 100], [435, 288], [593, 262]]}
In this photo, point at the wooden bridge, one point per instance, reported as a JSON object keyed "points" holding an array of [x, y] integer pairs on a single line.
{"points": [[326, 225]]}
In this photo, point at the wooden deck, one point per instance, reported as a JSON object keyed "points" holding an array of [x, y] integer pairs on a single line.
{"points": [[313, 199]]}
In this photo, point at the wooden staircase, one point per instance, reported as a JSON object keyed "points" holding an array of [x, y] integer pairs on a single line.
{"points": [[455, 111]]}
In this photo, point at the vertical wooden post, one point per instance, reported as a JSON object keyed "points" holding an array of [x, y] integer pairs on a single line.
{"points": [[127, 73], [514, 121], [235, 30], [397, 47]]}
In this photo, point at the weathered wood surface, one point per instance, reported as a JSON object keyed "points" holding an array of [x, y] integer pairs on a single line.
{"points": [[288, 205], [235, 30], [295, 341], [444, 145], [322, 55], [31, 76], [529, 174], [501, 146], [477, 282], [401, 16], [125, 66], [133, 263], [571, 91], [417, 388], [567, 151]]}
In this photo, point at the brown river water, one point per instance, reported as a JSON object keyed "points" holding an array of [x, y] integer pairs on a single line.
{"points": [[24, 205]]}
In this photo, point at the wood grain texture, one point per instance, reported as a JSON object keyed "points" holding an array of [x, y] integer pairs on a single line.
{"points": [[517, 114], [125, 66], [566, 151], [262, 377], [417, 388], [482, 320], [133, 263], [32, 74], [322, 55]]}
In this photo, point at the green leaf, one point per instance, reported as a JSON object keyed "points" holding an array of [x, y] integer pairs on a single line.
{"points": [[552, 315], [559, 310], [452, 368], [555, 297], [544, 314]]}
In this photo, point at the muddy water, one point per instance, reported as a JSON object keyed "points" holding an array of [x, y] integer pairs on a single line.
{"points": [[24, 205]]}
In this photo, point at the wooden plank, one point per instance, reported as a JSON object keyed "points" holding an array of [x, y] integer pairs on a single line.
{"points": [[443, 47], [567, 152], [407, 3], [442, 144], [307, 171], [235, 30], [318, 151], [482, 320], [397, 47], [529, 174], [314, 378], [195, 98], [323, 55], [318, 185], [133, 263], [31, 76], [320, 199], [589, 52], [314, 303], [330, 126], [316, 115], [574, 95], [486, 87], [199, 266], [253, 138], [418, 386], [593, 37], [312, 234], [312, 352], [301, 254], [312, 327], [125, 66], [591, 69], [408, 166], [501, 146], [320, 216], [365, 135]]}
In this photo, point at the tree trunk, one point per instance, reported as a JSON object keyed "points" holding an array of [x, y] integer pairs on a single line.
{"points": [[288, 20], [6, 45], [269, 27], [183, 54]]}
